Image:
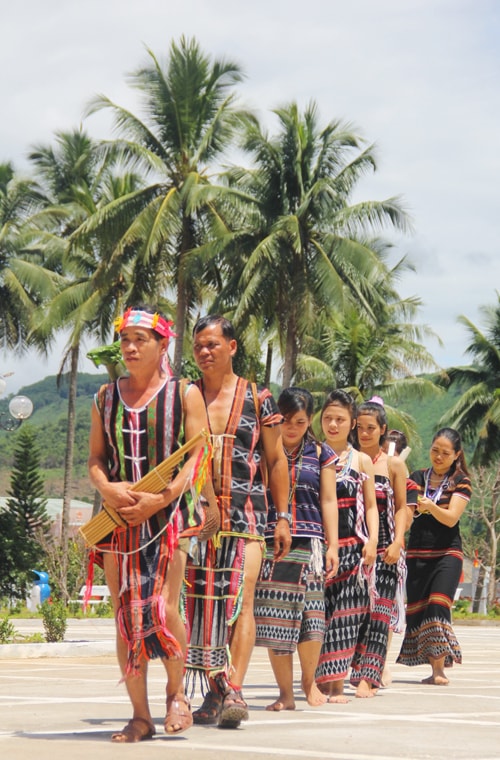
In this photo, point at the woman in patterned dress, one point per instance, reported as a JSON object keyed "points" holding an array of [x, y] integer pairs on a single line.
{"points": [[390, 488], [434, 558], [347, 595], [289, 600], [395, 442]]}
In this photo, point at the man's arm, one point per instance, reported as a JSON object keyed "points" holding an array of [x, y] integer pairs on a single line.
{"points": [[279, 485]]}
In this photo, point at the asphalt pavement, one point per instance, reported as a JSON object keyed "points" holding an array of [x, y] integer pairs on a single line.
{"points": [[65, 700]]}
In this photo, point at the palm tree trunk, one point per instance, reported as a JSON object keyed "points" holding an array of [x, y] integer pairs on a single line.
{"points": [[180, 321], [68, 459], [269, 364], [182, 296], [290, 354]]}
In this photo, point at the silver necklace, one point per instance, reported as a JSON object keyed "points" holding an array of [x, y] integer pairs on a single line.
{"points": [[344, 461], [436, 492]]}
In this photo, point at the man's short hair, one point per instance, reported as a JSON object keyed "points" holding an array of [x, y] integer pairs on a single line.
{"points": [[209, 320]]}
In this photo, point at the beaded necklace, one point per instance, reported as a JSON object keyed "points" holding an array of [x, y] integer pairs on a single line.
{"points": [[294, 472]]}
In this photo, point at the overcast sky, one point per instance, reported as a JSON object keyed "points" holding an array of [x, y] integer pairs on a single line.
{"points": [[419, 78]]}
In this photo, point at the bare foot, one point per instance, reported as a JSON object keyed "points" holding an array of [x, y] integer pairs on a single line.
{"points": [[136, 730], [335, 693], [436, 680], [386, 679], [314, 696], [365, 690], [280, 705], [338, 699]]}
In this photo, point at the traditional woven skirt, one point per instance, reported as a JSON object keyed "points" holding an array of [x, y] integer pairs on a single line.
{"points": [[289, 600], [347, 616], [431, 585], [214, 588], [368, 663], [142, 620]]}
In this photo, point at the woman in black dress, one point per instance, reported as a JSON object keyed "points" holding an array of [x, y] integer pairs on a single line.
{"points": [[434, 558]]}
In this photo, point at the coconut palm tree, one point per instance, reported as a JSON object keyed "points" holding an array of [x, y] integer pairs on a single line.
{"points": [[18, 200], [190, 117], [377, 353], [303, 245], [476, 414], [371, 351], [86, 293]]}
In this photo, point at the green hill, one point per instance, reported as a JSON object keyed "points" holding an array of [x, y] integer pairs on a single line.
{"points": [[427, 413], [50, 410]]}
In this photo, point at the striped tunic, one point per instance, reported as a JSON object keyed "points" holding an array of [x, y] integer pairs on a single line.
{"points": [[137, 440], [237, 458], [214, 578]]}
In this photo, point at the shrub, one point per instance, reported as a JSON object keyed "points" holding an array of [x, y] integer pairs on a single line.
{"points": [[462, 607], [104, 609], [494, 611], [7, 631], [34, 638], [54, 619], [74, 609]]}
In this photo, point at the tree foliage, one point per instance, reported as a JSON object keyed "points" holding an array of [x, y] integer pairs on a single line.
{"points": [[482, 521], [19, 199], [302, 247], [278, 244], [476, 414], [25, 518], [188, 122]]}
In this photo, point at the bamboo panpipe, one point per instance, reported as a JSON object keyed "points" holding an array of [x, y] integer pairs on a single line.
{"points": [[153, 482]]}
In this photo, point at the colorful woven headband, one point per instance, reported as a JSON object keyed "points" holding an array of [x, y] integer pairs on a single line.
{"points": [[139, 318]]}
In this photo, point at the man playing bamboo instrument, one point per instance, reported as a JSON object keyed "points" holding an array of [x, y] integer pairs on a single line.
{"points": [[136, 424], [221, 580]]}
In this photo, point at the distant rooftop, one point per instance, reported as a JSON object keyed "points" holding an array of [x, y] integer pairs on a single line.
{"points": [[80, 511]]}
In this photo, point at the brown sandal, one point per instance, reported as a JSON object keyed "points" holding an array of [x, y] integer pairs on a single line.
{"points": [[209, 712], [134, 732], [179, 717], [234, 709]]}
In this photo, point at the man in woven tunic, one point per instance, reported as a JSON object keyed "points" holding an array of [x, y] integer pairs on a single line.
{"points": [[243, 421], [137, 422]]}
